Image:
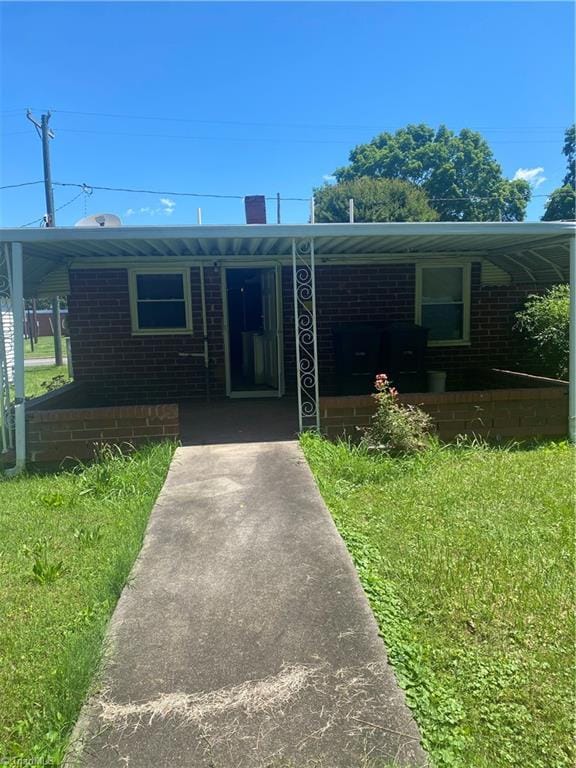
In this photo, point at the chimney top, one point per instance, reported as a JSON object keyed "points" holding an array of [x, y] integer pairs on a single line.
{"points": [[255, 207]]}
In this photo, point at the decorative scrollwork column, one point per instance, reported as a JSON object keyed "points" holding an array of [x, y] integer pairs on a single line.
{"points": [[303, 275], [6, 353]]}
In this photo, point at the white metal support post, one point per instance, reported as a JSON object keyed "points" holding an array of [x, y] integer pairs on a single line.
{"points": [[572, 345], [304, 280], [19, 394]]}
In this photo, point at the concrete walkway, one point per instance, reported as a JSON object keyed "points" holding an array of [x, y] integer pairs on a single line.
{"points": [[36, 362], [244, 639]]}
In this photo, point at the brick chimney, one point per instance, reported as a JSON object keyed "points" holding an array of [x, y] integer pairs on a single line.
{"points": [[255, 207]]}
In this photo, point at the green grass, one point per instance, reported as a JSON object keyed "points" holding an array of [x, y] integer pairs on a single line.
{"points": [[39, 379], [44, 347], [67, 543], [466, 555]]}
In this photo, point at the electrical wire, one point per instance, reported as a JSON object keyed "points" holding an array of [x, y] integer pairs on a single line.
{"points": [[174, 194], [473, 198], [88, 189], [258, 140], [84, 191], [22, 184], [380, 127]]}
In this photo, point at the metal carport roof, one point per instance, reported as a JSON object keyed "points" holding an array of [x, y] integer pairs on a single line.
{"points": [[534, 252]]}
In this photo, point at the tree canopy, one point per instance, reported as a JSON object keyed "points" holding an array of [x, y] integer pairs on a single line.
{"points": [[374, 200], [561, 204], [459, 173]]}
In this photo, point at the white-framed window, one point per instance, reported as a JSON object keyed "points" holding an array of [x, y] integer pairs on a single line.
{"points": [[160, 301], [443, 303]]}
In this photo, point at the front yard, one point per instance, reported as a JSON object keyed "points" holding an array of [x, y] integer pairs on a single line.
{"points": [[67, 543], [466, 555]]}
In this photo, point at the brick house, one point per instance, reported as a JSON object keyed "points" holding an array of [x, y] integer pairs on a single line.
{"points": [[167, 315]]}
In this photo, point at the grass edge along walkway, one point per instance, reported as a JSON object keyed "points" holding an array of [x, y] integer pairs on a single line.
{"points": [[68, 541], [466, 557]]}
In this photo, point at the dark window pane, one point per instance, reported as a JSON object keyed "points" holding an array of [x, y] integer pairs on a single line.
{"points": [[160, 286], [445, 321], [161, 314]]}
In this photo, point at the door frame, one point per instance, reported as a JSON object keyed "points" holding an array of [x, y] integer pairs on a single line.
{"points": [[253, 393]]}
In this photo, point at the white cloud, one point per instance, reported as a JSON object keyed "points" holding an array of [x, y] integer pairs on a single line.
{"points": [[165, 208], [168, 205], [534, 176]]}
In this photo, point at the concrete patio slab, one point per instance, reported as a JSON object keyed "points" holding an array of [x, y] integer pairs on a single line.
{"points": [[244, 639]]}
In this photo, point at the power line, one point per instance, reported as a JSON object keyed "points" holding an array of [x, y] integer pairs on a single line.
{"points": [[285, 125], [174, 194], [59, 208], [88, 188], [23, 184], [259, 140]]}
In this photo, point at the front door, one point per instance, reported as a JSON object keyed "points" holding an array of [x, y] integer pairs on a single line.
{"points": [[253, 331]]}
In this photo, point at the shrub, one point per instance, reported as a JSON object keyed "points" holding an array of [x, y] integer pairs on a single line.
{"points": [[395, 428], [544, 325]]}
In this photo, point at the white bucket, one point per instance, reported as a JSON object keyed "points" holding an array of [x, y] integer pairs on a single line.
{"points": [[436, 381]]}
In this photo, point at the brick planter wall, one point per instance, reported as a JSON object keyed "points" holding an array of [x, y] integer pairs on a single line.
{"points": [[54, 435], [499, 414]]}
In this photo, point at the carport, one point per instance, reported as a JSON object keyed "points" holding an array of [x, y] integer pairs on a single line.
{"points": [[37, 262]]}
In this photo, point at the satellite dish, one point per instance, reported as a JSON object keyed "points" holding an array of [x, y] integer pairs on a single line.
{"points": [[100, 220]]}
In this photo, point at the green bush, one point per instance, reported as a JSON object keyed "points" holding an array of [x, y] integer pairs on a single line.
{"points": [[396, 429], [544, 325]]}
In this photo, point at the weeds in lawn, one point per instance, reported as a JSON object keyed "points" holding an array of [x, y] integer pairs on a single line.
{"points": [[49, 385], [45, 569], [88, 536], [466, 555], [75, 534]]}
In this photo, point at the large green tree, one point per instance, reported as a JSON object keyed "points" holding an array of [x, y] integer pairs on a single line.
{"points": [[374, 200], [458, 172], [561, 204]]}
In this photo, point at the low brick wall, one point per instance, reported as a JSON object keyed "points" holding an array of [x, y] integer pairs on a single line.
{"points": [[499, 414], [55, 435]]}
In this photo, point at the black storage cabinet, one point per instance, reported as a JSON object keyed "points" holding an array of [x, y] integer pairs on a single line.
{"points": [[362, 351], [357, 350], [403, 356]]}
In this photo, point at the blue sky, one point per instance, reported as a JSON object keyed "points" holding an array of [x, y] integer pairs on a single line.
{"points": [[259, 98]]}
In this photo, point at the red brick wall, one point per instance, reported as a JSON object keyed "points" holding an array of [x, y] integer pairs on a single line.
{"points": [[117, 367], [55, 435], [502, 414], [383, 293]]}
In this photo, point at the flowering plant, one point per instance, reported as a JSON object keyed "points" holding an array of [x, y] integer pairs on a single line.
{"points": [[396, 428]]}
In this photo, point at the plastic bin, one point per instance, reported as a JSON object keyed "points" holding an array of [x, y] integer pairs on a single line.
{"points": [[436, 381]]}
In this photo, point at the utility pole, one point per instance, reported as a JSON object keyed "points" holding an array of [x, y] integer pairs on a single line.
{"points": [[46, 134], [278, 208]]}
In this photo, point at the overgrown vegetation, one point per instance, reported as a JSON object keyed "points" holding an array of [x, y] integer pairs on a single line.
{"points": [[395, 428], [544, 324], [67, 543], [466, 555]]}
